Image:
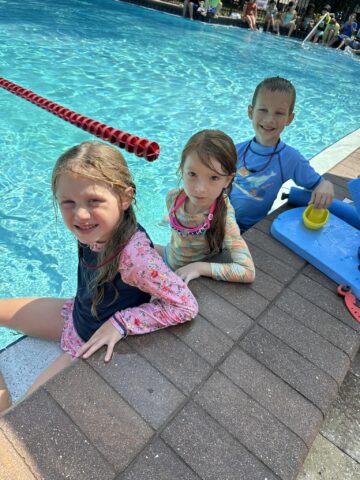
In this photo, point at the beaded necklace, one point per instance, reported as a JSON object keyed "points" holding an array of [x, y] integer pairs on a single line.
{"points": [[182, 229]]}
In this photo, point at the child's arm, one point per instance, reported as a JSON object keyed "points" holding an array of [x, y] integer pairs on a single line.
{"points": [[240, 269], [305, 176], [322, 195], [172, 302]]}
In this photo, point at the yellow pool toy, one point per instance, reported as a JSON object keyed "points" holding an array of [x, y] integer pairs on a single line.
{"points": [[315, 218]]}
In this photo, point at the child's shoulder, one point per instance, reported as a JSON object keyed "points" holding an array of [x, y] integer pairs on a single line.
{"points": [[241, 146], [289, 150], [171, 196], [136, 249]]}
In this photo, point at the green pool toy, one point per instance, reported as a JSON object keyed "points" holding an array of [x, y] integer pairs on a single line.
{"points": [[315, 218]]}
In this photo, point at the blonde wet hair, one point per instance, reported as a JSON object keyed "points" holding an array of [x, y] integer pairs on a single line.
{"points": [[102, 164]]}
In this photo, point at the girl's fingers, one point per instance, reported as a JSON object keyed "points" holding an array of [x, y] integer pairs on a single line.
{"points": [[106, 335], [109, 352], [89, 347], [93, 348], [82, 349]]}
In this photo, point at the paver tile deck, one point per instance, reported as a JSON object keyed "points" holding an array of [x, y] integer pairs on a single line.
{"points": [[238, 393]]}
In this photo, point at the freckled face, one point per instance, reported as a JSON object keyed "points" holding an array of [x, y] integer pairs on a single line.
{"points": [[270, 115], [90, 210]]}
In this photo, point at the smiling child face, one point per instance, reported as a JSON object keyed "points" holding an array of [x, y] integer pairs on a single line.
{"points": [[270, 115]]}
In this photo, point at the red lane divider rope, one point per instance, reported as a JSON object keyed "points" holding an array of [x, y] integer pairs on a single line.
{"points": [[131, 143]]}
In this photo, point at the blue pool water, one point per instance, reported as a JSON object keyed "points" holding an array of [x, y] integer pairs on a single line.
{"points": [[151, 74]]}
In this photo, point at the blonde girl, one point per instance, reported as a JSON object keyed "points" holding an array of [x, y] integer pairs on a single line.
{"points": [[201, 218], [118, 270]]}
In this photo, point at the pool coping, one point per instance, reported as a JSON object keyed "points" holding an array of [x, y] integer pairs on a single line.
{"points": [[240, 392]]}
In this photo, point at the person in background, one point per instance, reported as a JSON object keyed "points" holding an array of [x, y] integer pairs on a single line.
{"points": [[287, 19], [191, 8], [201, 217], [352, 45], [307, 22], [265, 162], [331, 32], [249, 14], [348, 30], [270, 15], [320, 29], [211, 6]]}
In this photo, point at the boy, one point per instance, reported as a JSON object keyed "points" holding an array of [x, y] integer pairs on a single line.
{"points": [[265, 162]]}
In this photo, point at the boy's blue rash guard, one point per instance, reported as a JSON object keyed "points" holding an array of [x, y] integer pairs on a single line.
{"points": [[84, 321], [253, 193]]}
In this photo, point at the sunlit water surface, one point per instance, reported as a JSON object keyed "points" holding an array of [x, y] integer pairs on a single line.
{"points": [[154, 75]]}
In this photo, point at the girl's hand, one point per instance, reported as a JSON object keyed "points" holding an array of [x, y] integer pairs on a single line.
{"points": [[323, 195], [194, 270], [108, 335]]}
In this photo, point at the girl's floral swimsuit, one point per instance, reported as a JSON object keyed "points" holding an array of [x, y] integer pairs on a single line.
{"points": [[150, 296], [185, 249]]}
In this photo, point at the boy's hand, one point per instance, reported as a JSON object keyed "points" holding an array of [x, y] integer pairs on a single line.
{"points": [[194, 270], [108, 335], [323, 195]]}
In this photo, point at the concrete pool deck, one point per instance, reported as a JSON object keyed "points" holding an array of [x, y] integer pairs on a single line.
{"points": [[239, 393]]}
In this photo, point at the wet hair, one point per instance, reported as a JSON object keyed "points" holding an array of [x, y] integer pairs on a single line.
{"points": [[211, 145], [276, 84], [104, 164]]}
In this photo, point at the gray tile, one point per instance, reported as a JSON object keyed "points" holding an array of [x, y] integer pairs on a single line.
{"points": [[220, 312], [266, 285], [306, 342], [210, 450], [158, 462], [325, 299], [295, 411], [342, 424], [50, 444], [325, 461], [21, 363], [264, 226], [275, 248], [273, 266], [149, 392], [319, 277], [209, 342], [355, 367], [321, 322], [257, 429], [298, 372], [240, 295], [93, 402], [173, 358]]}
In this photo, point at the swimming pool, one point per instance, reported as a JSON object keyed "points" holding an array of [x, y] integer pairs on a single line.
{"points": [[152, 74]]}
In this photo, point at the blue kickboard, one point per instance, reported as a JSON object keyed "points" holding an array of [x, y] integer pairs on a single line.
{"points": [[333, 249]]}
